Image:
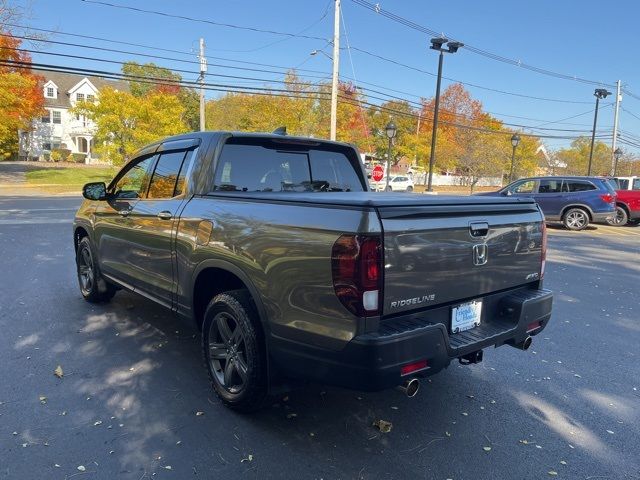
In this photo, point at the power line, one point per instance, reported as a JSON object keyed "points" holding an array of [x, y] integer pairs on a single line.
{"points": [[415, 26], [203, 20]]}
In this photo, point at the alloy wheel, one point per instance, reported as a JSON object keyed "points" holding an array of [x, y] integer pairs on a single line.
{"points": [[85, 271], [576, 220], [228, 352]]}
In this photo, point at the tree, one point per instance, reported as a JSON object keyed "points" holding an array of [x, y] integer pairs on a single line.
{"points": [[149, 77], [125, 122], [576, 157], [21, 98]]}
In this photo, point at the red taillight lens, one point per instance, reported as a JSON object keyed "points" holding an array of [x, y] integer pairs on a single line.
{"points": [[533, 326], [544, 249], [356, 263], [413, 367], [608, 198]]}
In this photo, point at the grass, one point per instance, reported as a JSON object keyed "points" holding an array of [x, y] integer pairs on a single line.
{"points": [[69, 176]]}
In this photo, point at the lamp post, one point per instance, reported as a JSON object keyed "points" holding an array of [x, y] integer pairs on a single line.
{"points": [[616, 155], [390, 130], [515, 140], [452, 47], [599, 93]]}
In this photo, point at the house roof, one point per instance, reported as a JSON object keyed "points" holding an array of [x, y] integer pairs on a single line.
{"points": [[66, 81]]}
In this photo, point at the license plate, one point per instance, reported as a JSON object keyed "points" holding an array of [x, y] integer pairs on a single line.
{"points": [[466, 316]]}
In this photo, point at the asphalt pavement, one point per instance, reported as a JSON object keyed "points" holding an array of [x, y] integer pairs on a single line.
{"points": [[134, 401]]}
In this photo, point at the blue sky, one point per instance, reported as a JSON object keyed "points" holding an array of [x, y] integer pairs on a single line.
{"points": [[587, 39]]}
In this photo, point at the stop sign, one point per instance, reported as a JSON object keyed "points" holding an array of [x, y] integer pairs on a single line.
{"points": [[377, 173]]}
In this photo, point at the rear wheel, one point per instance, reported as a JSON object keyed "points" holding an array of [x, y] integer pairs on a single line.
{"points": [[575, 219], [234, 351], [389, 189], [409, 189], [621, 217], [93, 286]]}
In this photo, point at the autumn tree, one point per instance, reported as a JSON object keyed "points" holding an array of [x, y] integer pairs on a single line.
{"points": [[21, 98], [576, 157], [125, 122], [145, 78], [408, 142]]}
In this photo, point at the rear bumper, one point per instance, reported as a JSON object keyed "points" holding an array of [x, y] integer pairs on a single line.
{"points": [[373, 361], [602, 217]]}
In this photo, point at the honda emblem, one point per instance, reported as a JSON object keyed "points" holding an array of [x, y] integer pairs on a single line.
{"points": [[480, 254]]}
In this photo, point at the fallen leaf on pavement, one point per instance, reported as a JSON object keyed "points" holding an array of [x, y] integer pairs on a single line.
{"points": [[553, 473], [81, 468], [58, 372], [43, 399], [168, 467], [486, 449], [99, 422], [292, 415], [562, 462], [248, 459], [199, 414], [383, 425]]}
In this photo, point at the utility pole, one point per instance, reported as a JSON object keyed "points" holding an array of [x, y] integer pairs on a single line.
{"points": [[336, 68], [615, 129], [203, 71]]}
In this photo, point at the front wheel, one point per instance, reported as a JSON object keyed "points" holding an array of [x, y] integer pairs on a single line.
{"points": [[621, 217], [234, 351], [389, 189], [93, 286], [575, 219]]}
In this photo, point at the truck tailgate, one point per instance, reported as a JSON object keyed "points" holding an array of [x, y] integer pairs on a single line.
{"points": [[434, 254]]}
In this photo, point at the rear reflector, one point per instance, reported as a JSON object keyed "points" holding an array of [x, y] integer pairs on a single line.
{"points": [[413, 367], [544, 249], [533, 326]]}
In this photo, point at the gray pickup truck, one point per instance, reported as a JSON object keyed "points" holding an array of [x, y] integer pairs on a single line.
{"points": [[276, 250]]}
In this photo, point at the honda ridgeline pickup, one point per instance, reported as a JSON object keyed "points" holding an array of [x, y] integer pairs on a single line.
{"points": [[276, 250]]}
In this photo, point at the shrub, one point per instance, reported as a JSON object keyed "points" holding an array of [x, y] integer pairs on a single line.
{"points": [[56, 156], [77, 157]]}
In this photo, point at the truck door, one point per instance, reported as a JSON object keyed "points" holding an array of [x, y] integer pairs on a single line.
{"points": [[112, 218], [154, 221]]}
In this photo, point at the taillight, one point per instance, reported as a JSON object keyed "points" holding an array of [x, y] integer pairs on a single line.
{"points": [[608, 198], [356, 263], [544, 249]]}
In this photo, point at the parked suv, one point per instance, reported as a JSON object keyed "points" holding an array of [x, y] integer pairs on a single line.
{"points": [[574, 201], [627, 201]]}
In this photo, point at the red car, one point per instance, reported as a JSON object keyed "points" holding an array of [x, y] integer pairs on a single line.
{"points": [[628, 201]]}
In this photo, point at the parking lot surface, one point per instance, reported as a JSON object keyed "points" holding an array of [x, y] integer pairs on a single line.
{"points": [[134, 402]]}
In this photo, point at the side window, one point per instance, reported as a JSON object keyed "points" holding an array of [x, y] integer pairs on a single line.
{"points": [[550, 186], [135, 180], [166, 181], [636, 184], [525, 186], [623, 183], [580, 186]]}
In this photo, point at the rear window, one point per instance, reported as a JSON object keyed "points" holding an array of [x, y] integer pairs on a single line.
{"points": [[636, 184], [611, 185], [262, 168], [579, 185]]}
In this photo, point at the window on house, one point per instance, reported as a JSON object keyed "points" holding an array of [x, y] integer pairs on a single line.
{"points": [[46, 146], [51, 93], [57, 116], [46, 118], [79, 97], [91, 98]]}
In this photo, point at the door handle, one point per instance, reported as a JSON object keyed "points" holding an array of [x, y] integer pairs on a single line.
{"points": [[165, 215], [124, 212]]}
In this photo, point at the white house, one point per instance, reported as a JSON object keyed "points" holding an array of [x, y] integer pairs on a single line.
{"points": [[59, 128]]}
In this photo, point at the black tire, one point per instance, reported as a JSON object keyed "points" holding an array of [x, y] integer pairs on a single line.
{"points": [[409, 189], [575, 219], [389, 189], [621, 217], [235, 356], [93, 286]]}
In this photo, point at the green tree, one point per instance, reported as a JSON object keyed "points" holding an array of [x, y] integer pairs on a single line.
{"points": [[576, 157], [126, 122]]}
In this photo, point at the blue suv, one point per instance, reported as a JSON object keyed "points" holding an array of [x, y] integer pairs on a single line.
{"points": [[574, 201]]}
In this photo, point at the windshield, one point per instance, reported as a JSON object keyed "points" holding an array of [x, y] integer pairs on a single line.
{"points": [[263, 168]]}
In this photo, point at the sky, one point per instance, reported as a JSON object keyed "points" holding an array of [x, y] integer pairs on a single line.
{"points": [[587, 39]]}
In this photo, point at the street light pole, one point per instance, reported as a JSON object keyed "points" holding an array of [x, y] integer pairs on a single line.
{"points": [[437, 44], [515, 140], [599, 93]]}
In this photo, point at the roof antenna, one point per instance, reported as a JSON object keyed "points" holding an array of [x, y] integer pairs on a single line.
{"points": [[280, 131]]}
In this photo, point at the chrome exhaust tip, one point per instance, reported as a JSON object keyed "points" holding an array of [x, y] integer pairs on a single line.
{"points": [[410, 387], [524, 345]]}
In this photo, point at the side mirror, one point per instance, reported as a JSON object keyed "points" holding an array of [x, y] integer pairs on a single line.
{"points": [[94, 191]]}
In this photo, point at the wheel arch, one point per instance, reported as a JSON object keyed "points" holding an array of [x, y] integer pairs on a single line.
{"points": [[623, 205], [79, 232], [581, 206]]}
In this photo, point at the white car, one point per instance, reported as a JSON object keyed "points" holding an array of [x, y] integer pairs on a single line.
{"points": [[399, 183]]}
